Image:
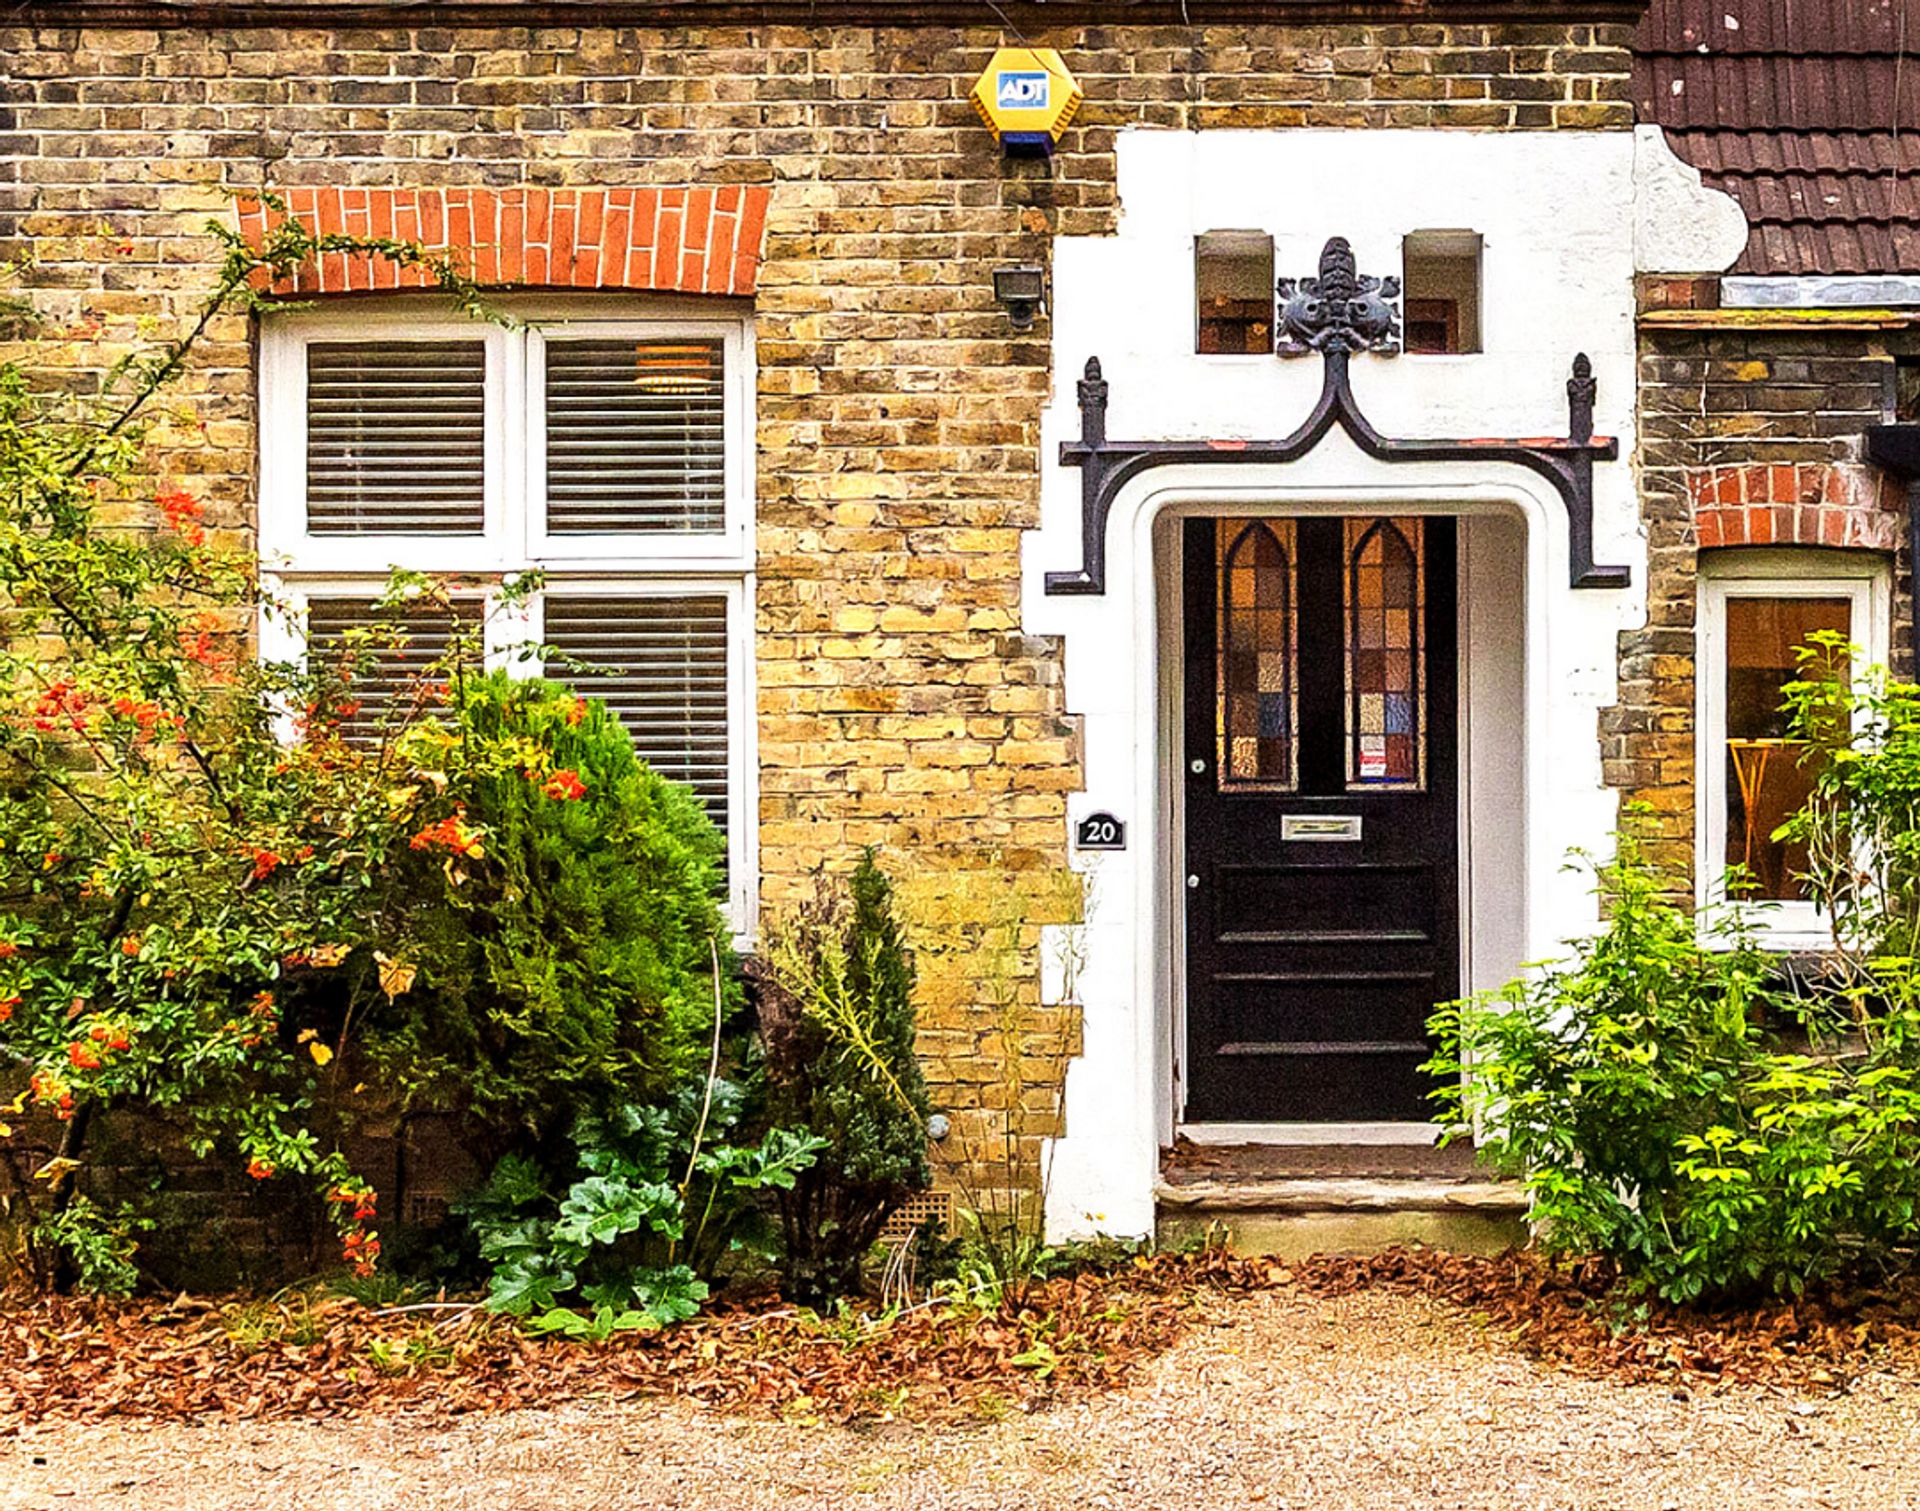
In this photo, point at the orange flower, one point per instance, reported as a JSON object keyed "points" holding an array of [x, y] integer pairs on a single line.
{"points": [[258, 1168], [451, 833], [82, 1057], [130, 945], [565, 785], [576, 711], [7, 1005], [8, 949], [264, 862]]}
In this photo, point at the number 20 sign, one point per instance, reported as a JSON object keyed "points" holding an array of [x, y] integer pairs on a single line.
{"points": [[1100, 831]]}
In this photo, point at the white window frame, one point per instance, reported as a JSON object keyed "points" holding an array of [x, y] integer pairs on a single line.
{"points": [[298, 567], [1864, 579]]}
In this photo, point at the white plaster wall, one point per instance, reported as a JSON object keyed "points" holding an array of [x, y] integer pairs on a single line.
{"points": [[1556, 214]]}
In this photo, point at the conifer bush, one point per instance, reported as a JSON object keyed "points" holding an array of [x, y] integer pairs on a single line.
{"points": [[837, 1015], [561, 905]]}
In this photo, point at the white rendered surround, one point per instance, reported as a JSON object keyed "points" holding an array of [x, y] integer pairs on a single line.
{"points": [[1563, 231]]}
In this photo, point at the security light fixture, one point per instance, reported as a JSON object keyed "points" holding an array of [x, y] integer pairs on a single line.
{"points": [[1022, 290]]}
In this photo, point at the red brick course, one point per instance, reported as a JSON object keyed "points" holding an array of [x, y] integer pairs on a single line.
{"points": [[1794, 504], [688, 241]]}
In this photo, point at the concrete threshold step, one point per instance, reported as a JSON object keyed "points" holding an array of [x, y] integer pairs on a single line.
{"points": [[1292, 1218], [1319, 1194]]}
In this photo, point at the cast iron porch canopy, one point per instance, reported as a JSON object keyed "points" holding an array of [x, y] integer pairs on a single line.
{"points": [[1336, 314]]}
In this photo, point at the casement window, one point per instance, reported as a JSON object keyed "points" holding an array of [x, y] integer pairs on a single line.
{"points": [[1756, 609], [611, 454]]}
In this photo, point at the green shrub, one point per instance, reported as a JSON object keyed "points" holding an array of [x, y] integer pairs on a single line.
{"points": [[568, 957], [655, 1206], [1669, 1106], [838, 1019]]}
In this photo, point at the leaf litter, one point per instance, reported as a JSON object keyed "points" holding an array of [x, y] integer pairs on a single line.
{"points": [[68, 1359]]}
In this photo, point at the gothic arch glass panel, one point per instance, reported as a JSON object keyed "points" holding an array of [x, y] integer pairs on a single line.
{"points": [[1258, 717], [1386, 638]]}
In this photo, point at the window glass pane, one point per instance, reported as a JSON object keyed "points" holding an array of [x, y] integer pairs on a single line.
{"points": [[636, 436], [1257, 714], [1386, 641], [1769, 777], [1233, 284], [1442, 286], [396, 438], [660, 664], [383, 658]]}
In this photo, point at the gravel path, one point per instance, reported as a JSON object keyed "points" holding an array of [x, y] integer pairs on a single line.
{"points": [[1370, 1401]]}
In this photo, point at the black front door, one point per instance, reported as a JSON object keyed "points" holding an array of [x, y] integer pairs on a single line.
{"points": [[1321, 801]]}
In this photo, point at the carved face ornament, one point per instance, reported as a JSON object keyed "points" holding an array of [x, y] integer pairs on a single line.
{"points": [[1340, 310]]}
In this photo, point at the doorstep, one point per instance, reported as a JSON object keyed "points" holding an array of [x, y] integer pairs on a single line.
{"points": [[1328, 1201]]}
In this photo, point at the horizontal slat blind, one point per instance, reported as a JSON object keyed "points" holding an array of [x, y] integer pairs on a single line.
{"points": [[389, 671], [661, 665], [636, 436], [396, 438]]}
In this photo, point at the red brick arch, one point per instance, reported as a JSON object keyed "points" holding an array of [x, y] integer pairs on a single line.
{"points": [[1795, 504], [669, 240]]}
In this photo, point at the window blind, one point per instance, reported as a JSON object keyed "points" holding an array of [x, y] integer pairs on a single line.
{"points": [[636, 436], [389, 670], [660, 664], [396, 438]]}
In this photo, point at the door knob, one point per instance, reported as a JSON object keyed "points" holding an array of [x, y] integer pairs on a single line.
{"points": [[1198, 768], [1192, 882]]}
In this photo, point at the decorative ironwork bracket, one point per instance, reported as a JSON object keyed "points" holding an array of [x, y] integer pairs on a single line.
{"points": [[1341, 315]]}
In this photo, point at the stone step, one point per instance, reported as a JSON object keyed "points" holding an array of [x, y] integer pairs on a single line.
{"points": [[1292, 1218]]}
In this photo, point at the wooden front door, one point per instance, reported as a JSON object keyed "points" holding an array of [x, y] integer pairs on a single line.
{"points": [[1321, 799]]}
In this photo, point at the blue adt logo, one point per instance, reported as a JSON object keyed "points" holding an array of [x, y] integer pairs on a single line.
{"points": [[1023, 91]]}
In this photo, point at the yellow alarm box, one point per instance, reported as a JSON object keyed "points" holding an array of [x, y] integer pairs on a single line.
{"points": [[1027, 96]]}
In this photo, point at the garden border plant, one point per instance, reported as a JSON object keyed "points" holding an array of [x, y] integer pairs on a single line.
{"points": [[204, 924], [1678, 1103]]}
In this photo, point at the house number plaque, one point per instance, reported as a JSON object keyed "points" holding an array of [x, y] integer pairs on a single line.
{"points": [[1331, 827], [1100, 831]]}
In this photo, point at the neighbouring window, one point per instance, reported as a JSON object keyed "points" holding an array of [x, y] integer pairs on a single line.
{"points": [[1757, 610], [1233, 284], [1440, 284], [611, 455]]}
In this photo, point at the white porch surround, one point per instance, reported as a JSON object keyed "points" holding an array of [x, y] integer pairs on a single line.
{"points": [[1566, 218]]}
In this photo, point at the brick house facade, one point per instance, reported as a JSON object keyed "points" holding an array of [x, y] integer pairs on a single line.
{"points": [[815, 180]]}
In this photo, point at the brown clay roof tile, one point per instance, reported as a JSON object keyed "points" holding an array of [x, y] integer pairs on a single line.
{"points": [[1807, 112]]}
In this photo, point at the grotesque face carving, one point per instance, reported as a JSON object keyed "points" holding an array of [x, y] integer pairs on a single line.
{"points": [[1340, 310]]}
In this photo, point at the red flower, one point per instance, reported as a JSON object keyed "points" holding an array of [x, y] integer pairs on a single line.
{"points": [[565, 785], [264, 862], [130, 945], [258, 1168], [82, 1057], [451, 833], [7, 1005], [183, 512], [576, 711], [262, 1005], [8, 949]]}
